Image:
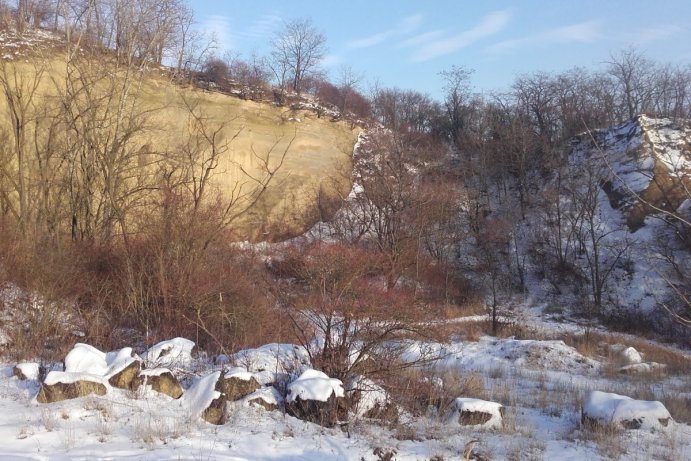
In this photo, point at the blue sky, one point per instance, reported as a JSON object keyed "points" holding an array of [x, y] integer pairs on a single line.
{"points": [[407, 43]]}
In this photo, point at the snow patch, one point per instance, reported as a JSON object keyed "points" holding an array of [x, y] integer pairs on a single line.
{"points": [[171, 353]]}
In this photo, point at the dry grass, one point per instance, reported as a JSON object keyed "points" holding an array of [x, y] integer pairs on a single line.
{"points": [[597, 345], [425, 391], [318, 150], [609, 438]]}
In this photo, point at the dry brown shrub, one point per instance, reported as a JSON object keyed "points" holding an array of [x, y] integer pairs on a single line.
{"points": [[424, 391]]}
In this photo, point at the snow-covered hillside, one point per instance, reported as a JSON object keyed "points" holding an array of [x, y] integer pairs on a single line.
{"points": [[617, 241]]}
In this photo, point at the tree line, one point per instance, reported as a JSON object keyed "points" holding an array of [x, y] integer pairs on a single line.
{"points": [[447, 190]]}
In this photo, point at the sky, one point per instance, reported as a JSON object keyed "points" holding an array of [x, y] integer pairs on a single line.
{"points": [[406, 43]]}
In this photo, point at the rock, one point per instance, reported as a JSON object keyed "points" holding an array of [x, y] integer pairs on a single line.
{"points": [[326, 413], [266, 397], [236, 384], [215, 413], [630, 356], [316, 398], [602, 408], [26, 371], [369, 400], [65, 385], [124, 379], [160, 380], [476, 412], [203, 399]]}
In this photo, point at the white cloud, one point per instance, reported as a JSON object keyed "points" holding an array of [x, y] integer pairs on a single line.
{"points": [[424, 38], [406, 26], [490, 25], [583, 32], [263, 26], [220, 27]]}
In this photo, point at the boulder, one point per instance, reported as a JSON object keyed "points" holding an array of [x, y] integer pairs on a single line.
{"points": [[65, 385], [203, 400], [124, 379], [236, 384], [602, 408], [369, 400], [316, 398], [26, 371], [265, 397], [160, 380], [476, 412]]}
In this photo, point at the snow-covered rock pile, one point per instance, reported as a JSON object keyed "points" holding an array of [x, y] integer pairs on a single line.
{"points": [[312, 396], [606, 409]]}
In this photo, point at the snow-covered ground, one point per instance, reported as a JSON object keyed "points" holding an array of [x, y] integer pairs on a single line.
{"points": [[542, 386]]}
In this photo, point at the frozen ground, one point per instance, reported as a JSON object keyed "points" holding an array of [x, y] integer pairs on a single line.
{"points": [[542, 385]]}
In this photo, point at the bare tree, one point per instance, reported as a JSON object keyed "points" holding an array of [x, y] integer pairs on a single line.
{"points": [[20, 96], [632, 72], [296, 52], [456, 88]]}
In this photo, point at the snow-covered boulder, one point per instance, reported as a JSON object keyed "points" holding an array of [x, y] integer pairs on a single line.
{"points": [[625, 355], [123, 368], [475, 412], [369, 400], [203, 400], [267, 397], [119, 367], [61, 385], [237, 383], [176, 352], [84, 358], [26, 371], [317, 398], [160, 380], [605, 408], [89, 370]]}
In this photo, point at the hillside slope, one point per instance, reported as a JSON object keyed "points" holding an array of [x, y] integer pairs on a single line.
{"points": [[619, 237], [252, 136]]}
